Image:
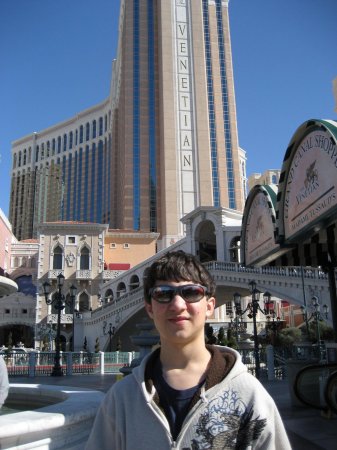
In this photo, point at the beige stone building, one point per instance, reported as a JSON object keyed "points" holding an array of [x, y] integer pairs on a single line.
{"points": [[270, 176]]}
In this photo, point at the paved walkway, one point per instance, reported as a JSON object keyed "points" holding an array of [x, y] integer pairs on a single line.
{"points": [[306, 427]]}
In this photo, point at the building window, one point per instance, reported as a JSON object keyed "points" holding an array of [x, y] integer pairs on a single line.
{"points": [[87, 132], [94, 129], [64, 142], [71, 240], [85, 259], [58, 258], [70, 140], [126, 245], [7, 311], [112, 245], [81, 134]]}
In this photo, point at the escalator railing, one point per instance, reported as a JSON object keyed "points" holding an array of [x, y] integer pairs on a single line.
{"points": [[316, 386]]}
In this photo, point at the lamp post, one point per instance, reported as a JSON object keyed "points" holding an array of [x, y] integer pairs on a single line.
{"points": [[111, 333], [317, 317], [236, 322], [253, 308], [59, 301]]}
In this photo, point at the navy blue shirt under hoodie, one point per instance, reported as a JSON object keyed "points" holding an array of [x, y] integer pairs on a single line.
{"points": [[175, 403]]}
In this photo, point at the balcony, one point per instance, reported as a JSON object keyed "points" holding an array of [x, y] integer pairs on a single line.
{"points": [[53, 273], [65, 318], [83, 275]]}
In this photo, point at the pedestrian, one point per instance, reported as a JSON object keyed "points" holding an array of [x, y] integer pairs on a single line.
{"points": [[186, 394], [4, 384]]}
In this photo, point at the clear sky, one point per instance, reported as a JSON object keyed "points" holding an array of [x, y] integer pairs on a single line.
{"points": [[56, 61]]}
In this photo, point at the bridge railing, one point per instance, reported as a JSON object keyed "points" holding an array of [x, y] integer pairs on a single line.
{"points": [[289, 271]]}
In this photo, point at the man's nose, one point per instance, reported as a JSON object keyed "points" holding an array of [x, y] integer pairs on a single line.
{"points": [[177, 301]]}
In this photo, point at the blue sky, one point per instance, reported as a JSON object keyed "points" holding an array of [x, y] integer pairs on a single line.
{"points": [[56, 61]]}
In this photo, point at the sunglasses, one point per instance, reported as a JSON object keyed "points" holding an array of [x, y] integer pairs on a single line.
{"points": [[191, 293]]}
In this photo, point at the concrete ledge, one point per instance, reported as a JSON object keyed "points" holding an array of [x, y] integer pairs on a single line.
{"points": [[65, 424]]}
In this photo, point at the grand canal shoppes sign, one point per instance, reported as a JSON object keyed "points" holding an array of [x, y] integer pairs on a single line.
{"points": [[298, 226], [304, 210]]}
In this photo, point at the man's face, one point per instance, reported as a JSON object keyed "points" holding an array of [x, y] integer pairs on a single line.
{"points": [[180, 322]]}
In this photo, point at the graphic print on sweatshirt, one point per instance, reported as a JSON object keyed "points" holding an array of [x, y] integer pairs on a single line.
{"points": [[227, 423]]}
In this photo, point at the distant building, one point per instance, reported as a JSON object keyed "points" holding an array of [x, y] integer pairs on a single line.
{"points": [[270, 176], [161, 145], [88, 255]]}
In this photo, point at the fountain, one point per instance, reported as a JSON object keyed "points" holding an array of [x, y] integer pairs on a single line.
{"points": [[65, 422]]}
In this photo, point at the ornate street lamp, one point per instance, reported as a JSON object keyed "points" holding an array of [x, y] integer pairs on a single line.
{"points": [[317, 317], [252, 308], [59, 301], [110, 332], [236, 321]]}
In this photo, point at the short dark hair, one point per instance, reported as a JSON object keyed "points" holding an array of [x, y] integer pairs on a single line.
{"points": [[177, 266]]}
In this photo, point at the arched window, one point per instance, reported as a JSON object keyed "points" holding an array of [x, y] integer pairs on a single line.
{"points": [[58, 258], [69, 306], [59, 144], [274, 179], [64, 142], [81, 134], [83, 304], [24, 157], [234, 249], [94, 129], [85, 259], [20, 159], [70, 140]]}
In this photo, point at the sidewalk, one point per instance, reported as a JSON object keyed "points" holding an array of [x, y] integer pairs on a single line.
{"points": [[307, 429]]}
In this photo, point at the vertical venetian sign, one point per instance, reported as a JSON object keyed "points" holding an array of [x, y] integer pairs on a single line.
{"points": [[311, 183], [184, 92]]}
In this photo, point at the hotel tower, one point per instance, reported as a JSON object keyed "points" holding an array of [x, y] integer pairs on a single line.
{"points": [[163, 143]]}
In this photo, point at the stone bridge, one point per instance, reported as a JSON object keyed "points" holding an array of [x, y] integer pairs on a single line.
{"points": [[122, 297]]}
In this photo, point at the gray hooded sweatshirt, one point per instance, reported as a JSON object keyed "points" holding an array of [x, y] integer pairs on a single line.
{"points": [[232, 411]]}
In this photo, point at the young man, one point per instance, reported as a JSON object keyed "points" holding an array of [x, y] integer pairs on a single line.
{"points": [[186, 395]]}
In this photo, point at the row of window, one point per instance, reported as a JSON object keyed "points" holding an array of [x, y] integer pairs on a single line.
{"points": [[83, 134], [58, 258], [114, 245]]}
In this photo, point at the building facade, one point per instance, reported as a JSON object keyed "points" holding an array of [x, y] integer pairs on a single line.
{"points": [[270, 176], [164, 142]]}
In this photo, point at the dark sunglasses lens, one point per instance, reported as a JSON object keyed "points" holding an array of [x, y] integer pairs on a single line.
{"points": [[192, 293], [162, 294]]}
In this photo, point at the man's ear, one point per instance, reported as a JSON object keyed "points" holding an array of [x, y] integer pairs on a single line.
{"points": [[210, 307], [148, 309]]}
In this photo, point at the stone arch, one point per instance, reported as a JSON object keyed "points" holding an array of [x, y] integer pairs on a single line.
{"points": [[108, 296], [134, 282], [121, 289], [205, 240]]}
